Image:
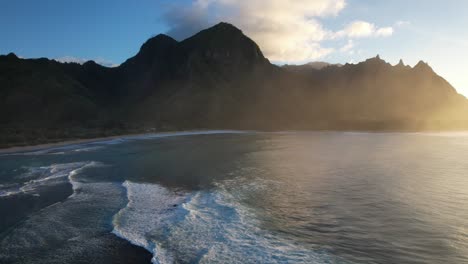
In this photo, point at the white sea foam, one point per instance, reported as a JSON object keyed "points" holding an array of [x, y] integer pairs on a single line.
{"points": [[49, 151], [211, 226], [186, 133], [71, 229], [56, 150], [45, 175], [88, 149], [150, 212], [71, 176], [220, 228]]}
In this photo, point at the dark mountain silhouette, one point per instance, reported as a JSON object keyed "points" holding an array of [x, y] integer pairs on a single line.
{"points": [[219, 79], [315, 65]]}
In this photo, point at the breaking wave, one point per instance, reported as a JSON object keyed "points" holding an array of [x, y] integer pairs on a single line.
{"points": [[36, 177], [211, 226], [148, 216]]}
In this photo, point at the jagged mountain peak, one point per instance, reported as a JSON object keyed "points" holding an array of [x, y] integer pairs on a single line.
{"points": [[218, 78], [154, 49], [422, 64], [224, 43], [160, 38], [12, 55], [224, 26], [374, 62], [158, 41], [402, 66], [375, 59], [220, 33]]}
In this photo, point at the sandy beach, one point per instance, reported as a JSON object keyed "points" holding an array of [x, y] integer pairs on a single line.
{"points": [[66, 143], [125, 136]]}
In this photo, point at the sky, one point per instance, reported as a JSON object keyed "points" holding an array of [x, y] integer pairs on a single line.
{"points": [[288, 32]]}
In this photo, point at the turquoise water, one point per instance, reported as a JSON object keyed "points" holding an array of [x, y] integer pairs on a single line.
{"points": [[239, 197]]}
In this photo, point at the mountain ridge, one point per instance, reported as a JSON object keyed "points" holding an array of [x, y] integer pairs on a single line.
{"points": [[218, 78]]}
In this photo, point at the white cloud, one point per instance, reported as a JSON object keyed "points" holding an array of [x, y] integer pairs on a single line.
{"points": [[402, 23], [68, 59], [358, 29], [362, 29], [101, 61], [384, 32], [286, 31], [348, 47]]}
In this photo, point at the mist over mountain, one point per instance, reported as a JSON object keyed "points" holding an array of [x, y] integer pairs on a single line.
{"points": [[217, 79]]}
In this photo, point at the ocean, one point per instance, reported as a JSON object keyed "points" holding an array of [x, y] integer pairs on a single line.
{"points": [[239, 197]]}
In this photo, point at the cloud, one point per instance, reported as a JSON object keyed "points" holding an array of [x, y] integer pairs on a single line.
{"points": [[348, 47], [101, 61], [362, 29], [68, 59], [286, 31], [384, 32], [184, 20], [402, 23]]}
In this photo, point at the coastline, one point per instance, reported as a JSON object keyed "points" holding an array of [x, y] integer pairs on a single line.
{"points": [[67, 142], [10, 150], [60, 144]]}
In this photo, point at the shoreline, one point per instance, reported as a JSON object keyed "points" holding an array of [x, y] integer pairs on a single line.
{"points": [[19, 149], [28, 148]]}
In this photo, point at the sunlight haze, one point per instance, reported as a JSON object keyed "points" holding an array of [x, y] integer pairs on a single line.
{"points": [[293, 32]]}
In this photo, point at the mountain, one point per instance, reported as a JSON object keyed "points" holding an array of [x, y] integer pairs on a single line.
{"points": [[217, 79], [315, 65]]}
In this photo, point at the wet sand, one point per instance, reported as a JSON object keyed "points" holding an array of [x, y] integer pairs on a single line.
{"points": [[100, 139], [59, 144]]}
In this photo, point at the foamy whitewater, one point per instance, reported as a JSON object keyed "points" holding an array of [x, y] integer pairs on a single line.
{"points": [[239, 197], [203, 227], [149, 215], [37, 177]]}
